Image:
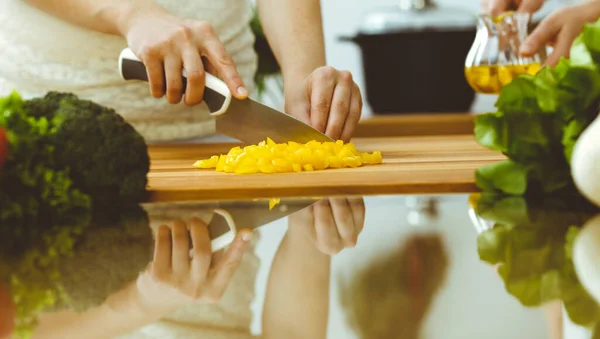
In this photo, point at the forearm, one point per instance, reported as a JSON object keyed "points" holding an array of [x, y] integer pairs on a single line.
{"points": [[294, 30], [106, 16], [119, 315], [297, 297]]}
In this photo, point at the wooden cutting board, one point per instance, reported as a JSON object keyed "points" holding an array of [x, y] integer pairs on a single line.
{"points": [[412, 165]]}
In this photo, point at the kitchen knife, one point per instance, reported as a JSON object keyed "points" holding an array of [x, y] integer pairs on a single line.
{"points": [[245, 120], [235, 215]]}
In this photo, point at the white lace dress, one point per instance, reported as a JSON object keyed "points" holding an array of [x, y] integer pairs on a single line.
{"points": [[39, 53]]}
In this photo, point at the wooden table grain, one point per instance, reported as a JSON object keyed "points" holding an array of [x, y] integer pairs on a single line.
{"points": [[412, 165]]}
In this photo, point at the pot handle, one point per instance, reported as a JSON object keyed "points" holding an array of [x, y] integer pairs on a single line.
{"points": [[343, 38]]}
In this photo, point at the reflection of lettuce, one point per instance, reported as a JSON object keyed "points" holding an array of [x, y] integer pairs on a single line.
{"points": [[538, 120], [531, 242]]}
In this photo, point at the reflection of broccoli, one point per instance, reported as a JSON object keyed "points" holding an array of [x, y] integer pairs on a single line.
{"points": [[105, 258], [108, 158], [31, 271], [74, 266]]}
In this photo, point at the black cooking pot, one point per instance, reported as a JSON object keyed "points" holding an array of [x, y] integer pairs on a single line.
{"points": [[413, 58]]}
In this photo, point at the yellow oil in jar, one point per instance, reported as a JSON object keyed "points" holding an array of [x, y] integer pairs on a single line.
{"points": [[490, 79]]}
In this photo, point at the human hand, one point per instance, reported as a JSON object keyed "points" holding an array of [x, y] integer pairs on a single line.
{"points": [[497, 7], [560, 30], [328, 99], [167, 45], [332, 224], [173, 279]]}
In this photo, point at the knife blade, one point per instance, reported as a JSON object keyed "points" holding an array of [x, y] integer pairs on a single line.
{"points": [[236, 215], [245, 120]]}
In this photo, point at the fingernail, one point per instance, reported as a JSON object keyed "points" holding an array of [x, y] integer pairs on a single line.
{"points": [[242, 91], [247, 237], [525, 48]]}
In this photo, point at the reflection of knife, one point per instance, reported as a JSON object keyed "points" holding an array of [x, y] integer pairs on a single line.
{"points": [[235, 215], [245, 120]]}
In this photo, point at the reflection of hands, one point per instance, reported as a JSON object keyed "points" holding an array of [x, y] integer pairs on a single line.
{"points": [[332, 224], [174, 279], [7, 313]]}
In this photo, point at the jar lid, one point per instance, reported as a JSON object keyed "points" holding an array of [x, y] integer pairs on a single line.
{"points": [[415, 15]]}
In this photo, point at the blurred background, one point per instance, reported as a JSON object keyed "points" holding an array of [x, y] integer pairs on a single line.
{"points": [[347, 18]]}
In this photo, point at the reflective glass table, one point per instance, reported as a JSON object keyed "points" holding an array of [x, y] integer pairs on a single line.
{"points": [[406, 267]]}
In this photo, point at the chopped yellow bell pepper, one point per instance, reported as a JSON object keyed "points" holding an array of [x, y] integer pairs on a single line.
{"points": [[273, 202], [270, 157], [207, 163]]}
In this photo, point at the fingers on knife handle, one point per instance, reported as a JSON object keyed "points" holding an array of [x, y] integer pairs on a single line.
{"points": [[216, 93]]}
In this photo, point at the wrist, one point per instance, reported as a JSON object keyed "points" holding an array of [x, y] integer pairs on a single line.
{"points": [[132, 12], [295, 74], [592, 9], [126, 303]]}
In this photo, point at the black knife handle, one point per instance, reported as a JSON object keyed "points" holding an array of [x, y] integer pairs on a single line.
{"points": [[217, 95]]}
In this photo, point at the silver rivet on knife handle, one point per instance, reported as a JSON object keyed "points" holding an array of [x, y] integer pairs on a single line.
{"points": [[217, 95]]}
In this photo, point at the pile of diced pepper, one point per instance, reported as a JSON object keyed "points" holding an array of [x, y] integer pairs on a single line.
{"points": [[271, 157]]}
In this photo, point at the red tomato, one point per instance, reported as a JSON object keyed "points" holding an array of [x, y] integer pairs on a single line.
{"points": [[3, 147], [7, 314]]}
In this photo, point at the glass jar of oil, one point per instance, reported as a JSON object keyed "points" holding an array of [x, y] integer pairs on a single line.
{"points": [[494, 59]]}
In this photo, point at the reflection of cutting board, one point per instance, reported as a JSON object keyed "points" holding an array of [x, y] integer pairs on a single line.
{"points": [[425, 164]]}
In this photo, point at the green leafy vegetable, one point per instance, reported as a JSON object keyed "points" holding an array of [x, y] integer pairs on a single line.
{"points": [[510, 175], [538, 120]]}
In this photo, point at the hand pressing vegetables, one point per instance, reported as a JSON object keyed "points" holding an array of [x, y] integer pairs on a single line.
{"points": [[270, 157]]}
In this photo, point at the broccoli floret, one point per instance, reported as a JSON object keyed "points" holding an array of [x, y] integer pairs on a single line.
{"points": [[32, 188], [47, 105], [107, 157]]}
